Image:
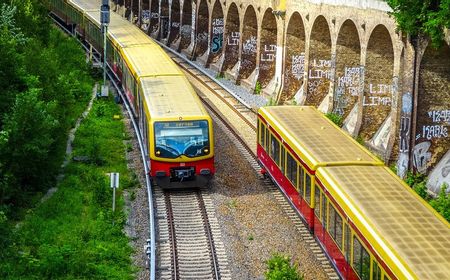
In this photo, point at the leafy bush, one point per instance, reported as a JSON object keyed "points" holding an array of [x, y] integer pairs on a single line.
{"points": [[258, 87], [335, 118], [279, 267], [442, 202]]}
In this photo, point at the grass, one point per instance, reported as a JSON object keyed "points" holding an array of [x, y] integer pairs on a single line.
{"points": [[71, 235]]}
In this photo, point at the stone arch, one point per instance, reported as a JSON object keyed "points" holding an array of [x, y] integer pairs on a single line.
{"points": [[348, 69], [217, 32], [154, 16], [378, 82], [175, 18], [164, 20], [268, 48], [202, 29], [320, 64], [295, 57], [433, 109], [232, 38], [186, 24], [249, 43]]}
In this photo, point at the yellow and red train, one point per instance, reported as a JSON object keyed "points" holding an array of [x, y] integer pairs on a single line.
{"points": [[174, 124], [371, 224]]}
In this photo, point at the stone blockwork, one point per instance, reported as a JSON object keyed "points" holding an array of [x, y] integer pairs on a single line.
{"points": [[342, 56]]}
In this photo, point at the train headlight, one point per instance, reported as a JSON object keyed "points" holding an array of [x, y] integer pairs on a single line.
{"points": [[157, 153], [205, 150]]}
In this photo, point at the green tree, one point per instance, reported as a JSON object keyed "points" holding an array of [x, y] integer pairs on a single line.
{"points": [[12, 41], [422, 17], [27, 138]]}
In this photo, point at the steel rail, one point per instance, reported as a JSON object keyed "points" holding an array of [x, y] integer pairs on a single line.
{"points": [[214, 260], [151, 244]]}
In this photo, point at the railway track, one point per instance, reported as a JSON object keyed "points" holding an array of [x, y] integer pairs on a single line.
{"points": [[239, 120], [189, 236]]}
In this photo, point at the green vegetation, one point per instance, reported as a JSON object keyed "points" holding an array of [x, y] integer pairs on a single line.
{"points": [[45, 87], [220, 75], [279, 267], [46, 84], [258, 87], [271, 102], [422, 18], [441, 203], [335, 118], [71, 235]]}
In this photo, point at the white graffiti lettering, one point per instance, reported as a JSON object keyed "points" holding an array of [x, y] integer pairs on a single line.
{"points": [[380, 89], [233, 39], [268, 55], [249, 45], [434, 131], [298, 66], [440, 116], [421, 156], [377, 100]]}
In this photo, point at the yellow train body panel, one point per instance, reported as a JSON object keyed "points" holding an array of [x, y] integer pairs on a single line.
{"points": [[149, 60], [172, 98], [317, 140], [406, 232]]}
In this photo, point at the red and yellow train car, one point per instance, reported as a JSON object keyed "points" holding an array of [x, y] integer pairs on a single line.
{"points": [[294, 141], [172, 121], [370, 224]]}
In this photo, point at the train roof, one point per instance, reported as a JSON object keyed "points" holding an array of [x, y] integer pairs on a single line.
{"points": [[122, 33], [149, 60], [315, 138], [171, 97], [412, 238], [86, 5]]}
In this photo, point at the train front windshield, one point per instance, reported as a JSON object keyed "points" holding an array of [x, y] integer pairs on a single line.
{"points": [[188, 138]]}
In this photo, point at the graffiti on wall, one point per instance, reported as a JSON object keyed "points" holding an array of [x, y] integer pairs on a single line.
{"points": [[298, 66], [438, 127], [268, 53], [347, 85], [440, 175], [377, 95], [217, 35], [249, 46], [421, 156], [319, 72], [405, 123], [233, 39]]}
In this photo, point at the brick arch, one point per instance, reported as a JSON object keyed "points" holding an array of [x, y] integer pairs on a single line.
{"points": [[175, 21], [268, 48], [186, 25], [232, 38], [202, 19], [348, 71], [378, 81], [433, 109], [294, 58], [217, 32], [249, 43], [319, 66]]}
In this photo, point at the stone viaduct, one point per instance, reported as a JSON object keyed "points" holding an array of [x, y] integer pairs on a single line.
{"points": [[343, 56]]}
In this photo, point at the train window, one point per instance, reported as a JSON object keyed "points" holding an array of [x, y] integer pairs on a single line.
{"points": [[275, 149], [261, 133], [324, 209], [361, 260], [335, 226], [283, 159], [266, 142], [308, 188], [347, 242], [291, 169], [376, 271], [317, 202], [301, 181]]}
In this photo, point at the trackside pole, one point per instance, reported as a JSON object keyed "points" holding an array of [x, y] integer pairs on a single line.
{"points": [[114, 185], [104, 20]]}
